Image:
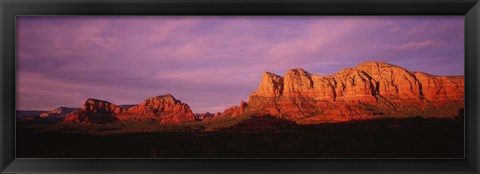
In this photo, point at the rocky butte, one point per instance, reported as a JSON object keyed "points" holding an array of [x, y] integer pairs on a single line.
{"points": [[370, 90], [162, 109], [57, 113]]}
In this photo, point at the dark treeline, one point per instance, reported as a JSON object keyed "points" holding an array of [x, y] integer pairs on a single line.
{"points": [[267, 138]]}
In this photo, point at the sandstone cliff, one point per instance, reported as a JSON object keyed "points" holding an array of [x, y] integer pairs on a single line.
{"points": [[94, 111], [164, 109], [369, 90]]}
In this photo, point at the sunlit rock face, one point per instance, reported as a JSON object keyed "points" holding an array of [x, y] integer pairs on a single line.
{"points": [[94, 111], [234, 110], [370, 90], [164, 109], [441, 88], [270, 86]]}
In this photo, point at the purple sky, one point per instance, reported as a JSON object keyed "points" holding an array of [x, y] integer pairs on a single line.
{"points": [[212, 63]]}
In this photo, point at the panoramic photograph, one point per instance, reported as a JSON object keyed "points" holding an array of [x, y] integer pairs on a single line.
{"points": [[240, 87]]}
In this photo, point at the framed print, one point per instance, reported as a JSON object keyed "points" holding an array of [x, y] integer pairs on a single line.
{"points": [[251, 86]]}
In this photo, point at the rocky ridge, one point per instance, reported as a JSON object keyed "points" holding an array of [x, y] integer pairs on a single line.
{"points": [[162, 109], [57, 114], [369, 90]]}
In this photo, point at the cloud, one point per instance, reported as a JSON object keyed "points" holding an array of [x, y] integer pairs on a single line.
{"points": [[414, 45], [212, 62], [419, 45]]}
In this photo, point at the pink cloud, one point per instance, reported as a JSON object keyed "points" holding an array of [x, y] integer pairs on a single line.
{"points": [[409, 45], [421, 44], [210, 61]]}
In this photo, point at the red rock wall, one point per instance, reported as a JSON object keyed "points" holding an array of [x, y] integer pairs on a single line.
{"points": [[369, 90]]}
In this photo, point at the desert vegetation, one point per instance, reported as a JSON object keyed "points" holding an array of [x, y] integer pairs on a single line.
{"points": [[249, 137]]}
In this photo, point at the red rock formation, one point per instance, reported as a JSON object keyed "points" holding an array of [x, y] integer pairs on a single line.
{"points": [[164, 109], [298, 83], [369, 90], [57, 113], [271, 85], [441, 88], [235, 110], [94, 111]]}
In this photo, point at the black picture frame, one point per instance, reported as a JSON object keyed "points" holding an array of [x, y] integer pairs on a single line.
{"points": [[11, 8]]}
